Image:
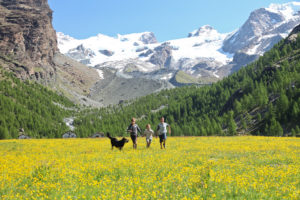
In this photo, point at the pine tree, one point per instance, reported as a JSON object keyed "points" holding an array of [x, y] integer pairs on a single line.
{"points": [[231, 124], [4, 134], [295, 112], [275, 128], [237, 107], [282, 106], [294, 133]]}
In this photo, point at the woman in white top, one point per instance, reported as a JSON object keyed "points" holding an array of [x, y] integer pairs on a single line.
{"points": [[148, 133]]}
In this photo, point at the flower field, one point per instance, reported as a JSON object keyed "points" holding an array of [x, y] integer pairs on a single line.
{"points": [[190, 168]]}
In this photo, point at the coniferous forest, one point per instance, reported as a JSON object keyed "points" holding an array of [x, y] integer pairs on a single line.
{"points": [[262, 98], [30, 106]]}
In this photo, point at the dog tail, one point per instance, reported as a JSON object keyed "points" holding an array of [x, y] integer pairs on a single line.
{"points": [[108, 135]]}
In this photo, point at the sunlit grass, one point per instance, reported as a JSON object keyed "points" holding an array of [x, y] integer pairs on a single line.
{"points": [[190, 168]]}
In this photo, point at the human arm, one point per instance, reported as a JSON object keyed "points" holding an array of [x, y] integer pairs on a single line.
{"points": [[152, 133], [156, 132], [139, 130], [129, 129], [169, 129]]}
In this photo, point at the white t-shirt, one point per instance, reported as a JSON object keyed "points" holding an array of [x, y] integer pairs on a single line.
{"points": [[149, 133], [162, 128]]}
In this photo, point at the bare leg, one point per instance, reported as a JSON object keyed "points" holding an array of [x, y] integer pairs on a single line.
{"points": [[164, 143], [134, 143]]}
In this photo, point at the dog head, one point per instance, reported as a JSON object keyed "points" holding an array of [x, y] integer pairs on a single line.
{"points": [[125, 140]]}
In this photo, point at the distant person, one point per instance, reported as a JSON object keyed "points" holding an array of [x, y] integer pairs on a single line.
{"points": [[133, 128], [148, 133], [162, 132]]}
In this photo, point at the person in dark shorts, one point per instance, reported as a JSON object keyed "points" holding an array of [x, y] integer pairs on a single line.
{"points": [[133, 128], [162, 132]]}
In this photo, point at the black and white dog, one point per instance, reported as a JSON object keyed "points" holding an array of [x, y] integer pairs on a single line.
{"points": [[117, 143]]}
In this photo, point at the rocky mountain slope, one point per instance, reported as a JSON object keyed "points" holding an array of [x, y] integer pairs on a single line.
{"points": [[28, 47], [27, 36], [205, 54]]}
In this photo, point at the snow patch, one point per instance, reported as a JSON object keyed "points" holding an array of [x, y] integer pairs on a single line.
{"points": [[167, 77], [100, 72], [215, 74], [69, 122]]}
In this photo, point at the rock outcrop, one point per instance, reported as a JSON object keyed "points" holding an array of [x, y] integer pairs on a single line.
{"points": [[294, 34], [162, 56], [81, 54], [27, 37], [28, 47], [148, 38]]}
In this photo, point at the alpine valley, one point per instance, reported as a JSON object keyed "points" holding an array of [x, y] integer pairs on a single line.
{"points": [[46, 77]]}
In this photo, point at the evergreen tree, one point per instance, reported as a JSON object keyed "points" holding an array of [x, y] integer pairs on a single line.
{"points": [[4, 134], [231, 124], [282, 106], [274, 128]]}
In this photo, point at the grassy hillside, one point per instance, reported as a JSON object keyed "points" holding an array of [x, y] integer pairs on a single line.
{"points": [[182, 78], [262, 99], [30, 106]]}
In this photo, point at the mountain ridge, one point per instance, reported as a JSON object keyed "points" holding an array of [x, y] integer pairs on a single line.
{"points": [[204, 47]]}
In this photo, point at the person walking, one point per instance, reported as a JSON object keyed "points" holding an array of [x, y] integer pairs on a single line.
{"points": [[162, 132], [133, 128]]}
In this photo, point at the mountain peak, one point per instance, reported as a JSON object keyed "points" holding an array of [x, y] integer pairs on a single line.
{"points": [[63, 36], [203, 31], [144, 37], [287, 10]]}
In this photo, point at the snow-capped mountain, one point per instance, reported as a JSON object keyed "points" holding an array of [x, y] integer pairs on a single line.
{"points": [[204, 53], [264, 27], [141, 52], [102, 48]]}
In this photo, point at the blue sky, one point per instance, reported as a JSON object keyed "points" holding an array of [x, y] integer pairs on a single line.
{"points": [[167, 19]]}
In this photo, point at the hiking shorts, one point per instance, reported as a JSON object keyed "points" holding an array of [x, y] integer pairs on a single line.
{"points": [[162, 137], [133, 138], [148, 139]]}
